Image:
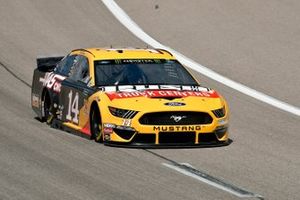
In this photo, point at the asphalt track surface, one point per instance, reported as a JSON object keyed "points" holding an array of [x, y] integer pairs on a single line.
{"points": [[253, 42]]}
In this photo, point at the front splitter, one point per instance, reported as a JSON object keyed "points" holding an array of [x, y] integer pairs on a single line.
{"points": [[167, 146]]}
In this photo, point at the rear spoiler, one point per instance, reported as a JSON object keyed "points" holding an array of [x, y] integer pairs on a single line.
{"points": [[47, 64]]}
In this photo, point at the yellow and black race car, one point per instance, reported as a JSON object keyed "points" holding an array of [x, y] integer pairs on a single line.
{"points": [[132, 97]]}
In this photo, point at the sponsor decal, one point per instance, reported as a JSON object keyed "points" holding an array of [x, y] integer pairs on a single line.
{"points": [[132, 88], [106, 136], [59, 112], [138, 61], [35, 102], [132, 61], [162, 94], [175, 104], [52, 81], [126, 122], [109, 125], [176, 128], [107, 130]]}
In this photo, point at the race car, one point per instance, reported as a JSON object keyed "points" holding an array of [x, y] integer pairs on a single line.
{"points": [[128, 97]]}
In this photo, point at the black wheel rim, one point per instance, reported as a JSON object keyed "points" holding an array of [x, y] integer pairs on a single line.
{"points": [[47, 113], [96, 127]]}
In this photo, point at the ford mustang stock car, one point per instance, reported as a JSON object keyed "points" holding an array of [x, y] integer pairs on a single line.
{"points": [[128, 96]]}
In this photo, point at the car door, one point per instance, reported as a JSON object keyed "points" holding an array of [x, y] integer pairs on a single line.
{"points": [[75, 91]]}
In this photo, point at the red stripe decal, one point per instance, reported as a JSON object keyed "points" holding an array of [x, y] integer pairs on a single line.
{"points": [[162, 94], [86, 129]]}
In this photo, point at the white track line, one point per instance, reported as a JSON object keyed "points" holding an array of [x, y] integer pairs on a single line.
{"points": [[138, 32], [217, 183]]}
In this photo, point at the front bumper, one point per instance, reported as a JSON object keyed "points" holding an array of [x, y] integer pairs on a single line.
{"points": [[160, 131], [166, 138]]}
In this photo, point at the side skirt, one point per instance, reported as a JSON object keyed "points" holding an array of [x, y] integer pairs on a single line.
{"points": [[57, 124]]}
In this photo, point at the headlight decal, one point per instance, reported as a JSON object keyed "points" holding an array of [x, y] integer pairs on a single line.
{"points": [[129, 114], [122, 113], [219, 112]]}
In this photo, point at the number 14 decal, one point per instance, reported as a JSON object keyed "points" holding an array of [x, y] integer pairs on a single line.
{"points": [[73, 107]]}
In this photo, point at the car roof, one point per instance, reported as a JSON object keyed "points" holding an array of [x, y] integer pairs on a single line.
{"points": [[124, 53]]}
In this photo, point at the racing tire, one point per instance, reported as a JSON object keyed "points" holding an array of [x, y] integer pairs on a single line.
{"points": [[47, 107], [96, 126]]}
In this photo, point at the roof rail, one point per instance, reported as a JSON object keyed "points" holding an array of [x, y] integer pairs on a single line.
{"points": [[160, 50], [84, 51]]}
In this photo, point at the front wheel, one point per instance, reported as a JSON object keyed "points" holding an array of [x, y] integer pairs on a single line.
{"points": [[96, 126]]}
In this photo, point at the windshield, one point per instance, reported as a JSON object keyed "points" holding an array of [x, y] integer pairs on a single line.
{"points": [[141, 72]]}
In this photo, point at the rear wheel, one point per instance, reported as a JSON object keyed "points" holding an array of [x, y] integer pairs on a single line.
{"points": [[96, 125], [47, 115]]}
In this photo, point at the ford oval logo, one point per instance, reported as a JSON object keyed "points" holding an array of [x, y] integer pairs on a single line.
{"points": [[175, 104]]}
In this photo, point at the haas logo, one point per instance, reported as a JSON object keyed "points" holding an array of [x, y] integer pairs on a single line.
{"points": [[177, 118], [52, 80]]}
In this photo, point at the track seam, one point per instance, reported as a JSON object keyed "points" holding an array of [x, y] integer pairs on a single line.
{"points": [[14, 74], [185, 169]]}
